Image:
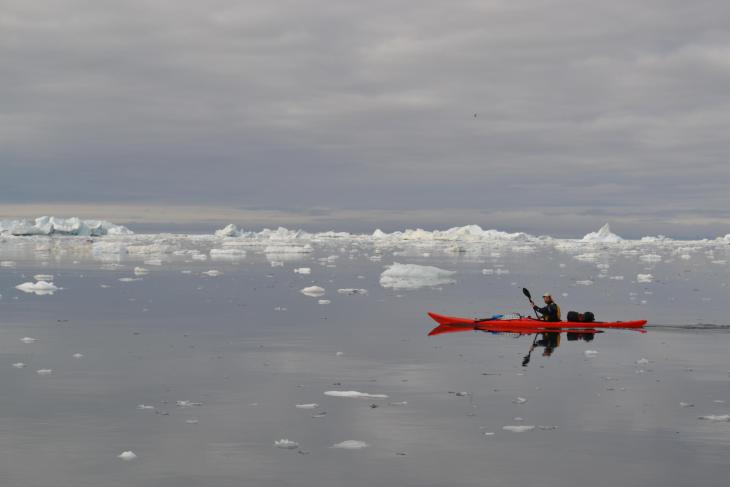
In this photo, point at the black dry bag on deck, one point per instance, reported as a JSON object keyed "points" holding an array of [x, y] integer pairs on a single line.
{"points": [[573, 316], [588, 317]]}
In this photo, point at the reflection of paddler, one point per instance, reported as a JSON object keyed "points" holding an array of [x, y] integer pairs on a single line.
{"points": [[550, 340]]}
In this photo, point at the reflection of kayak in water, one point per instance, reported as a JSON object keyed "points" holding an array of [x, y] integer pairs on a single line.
{"points": [[525, 325]]}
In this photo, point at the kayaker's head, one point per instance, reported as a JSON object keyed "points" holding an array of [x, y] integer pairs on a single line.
{"points": [[547, 298]]}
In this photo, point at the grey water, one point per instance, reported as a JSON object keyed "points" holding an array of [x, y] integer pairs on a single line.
{"points": [[244, 348]]}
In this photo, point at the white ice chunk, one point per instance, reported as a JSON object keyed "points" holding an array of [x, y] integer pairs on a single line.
{"points": [[19, 365], [313, 291], [228, 231], [313, 405], [590, 353], [355, 394], [716, 417], [40, 288], [44, 371], [43, 277], [286, 444], [127, 456], [604, 235], [413, 276], [230, 253], [521, 428], [324, 301], [519, 400], [141, 271], [78, 355], [303, 270], [28, 340], [351, 445], [645, 278], [212, 273]]}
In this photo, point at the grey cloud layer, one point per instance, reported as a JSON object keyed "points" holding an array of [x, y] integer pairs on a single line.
{"points": [[615, 108]]}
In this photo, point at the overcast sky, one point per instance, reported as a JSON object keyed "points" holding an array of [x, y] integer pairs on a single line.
{"points": [[585, 111]]}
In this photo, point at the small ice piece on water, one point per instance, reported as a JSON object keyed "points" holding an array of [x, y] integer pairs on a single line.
{"points": [[716, 417], [144, 407], [129, 279], [324, 301], [78, 355], [313, 291], [40, 288], [191, 421], [488, 433], [591, 353], [586, 282], [212, 273], [28, 340], [286, 443], [19, 365], [313, 405], [303, 270], [521, 428], [141, 271], [413, 276], [339, 354], [547, 428], [187, 404], [645, 278], [642, 361], [43, 277], [44, 371], [686, 405], [355, 394], [351, 291], [127, 456], [519, 400], [351, 445]]}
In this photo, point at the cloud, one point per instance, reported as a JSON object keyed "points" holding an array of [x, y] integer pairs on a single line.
{"points": [[367, 105]]}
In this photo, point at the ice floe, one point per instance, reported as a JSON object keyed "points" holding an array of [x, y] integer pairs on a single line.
{"points": [[28, 340], [716, 417], [44, 371], [127, 456], [351, 445], [351, 291], [590, 353], [303, 270], [644, 278], [40, 288], [286, 444], [313, 405], [355, 394], [46, 225], [313, 291], [521, 428], [414, 276]]}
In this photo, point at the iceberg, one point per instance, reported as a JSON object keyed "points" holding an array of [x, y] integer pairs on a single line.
{"points": [[51, 225], [228, 231], [604, 235], [414, 276], [40, 288]]}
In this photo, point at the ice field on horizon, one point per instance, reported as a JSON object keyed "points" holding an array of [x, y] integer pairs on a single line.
{"points": [[287, 357]]}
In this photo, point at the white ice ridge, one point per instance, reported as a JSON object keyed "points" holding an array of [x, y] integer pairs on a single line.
{"points": [[604, 235], [51, 225], [414, 276]]}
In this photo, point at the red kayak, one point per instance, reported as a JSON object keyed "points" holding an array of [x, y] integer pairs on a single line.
{"points": [[525, 325]]}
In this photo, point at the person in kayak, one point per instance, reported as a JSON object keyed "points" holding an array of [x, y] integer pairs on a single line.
{"points": [[551, 310]]}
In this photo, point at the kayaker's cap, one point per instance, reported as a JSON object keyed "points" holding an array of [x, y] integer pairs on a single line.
{"points": [[547, 295]]}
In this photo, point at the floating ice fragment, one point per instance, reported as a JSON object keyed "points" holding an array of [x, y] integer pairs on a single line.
{"points": [[303, 270], [650, 258], [43, 277], [40, 288], [547, 428], [228, 231], [187, 404], [518, 428], [157, 262], [78, 355], [191, 421], [646, 278], [716, 417], [212, 273], [287, 444], [313, 405], [591, 353], [351, 291], [28, 340], [488, 433], [642, 361], [351, 445], [586, 282], [519, 400], [339, 354], [355, 394], [227, 254], [413, 276], [141, 271], [19, 365], [144, 407], [324, 301], [127, 456], [44, 371], [129, 279], [313, 291], [686, 405]]}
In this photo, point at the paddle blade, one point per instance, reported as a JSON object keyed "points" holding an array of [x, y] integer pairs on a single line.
{"points": [[526, 293]]}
